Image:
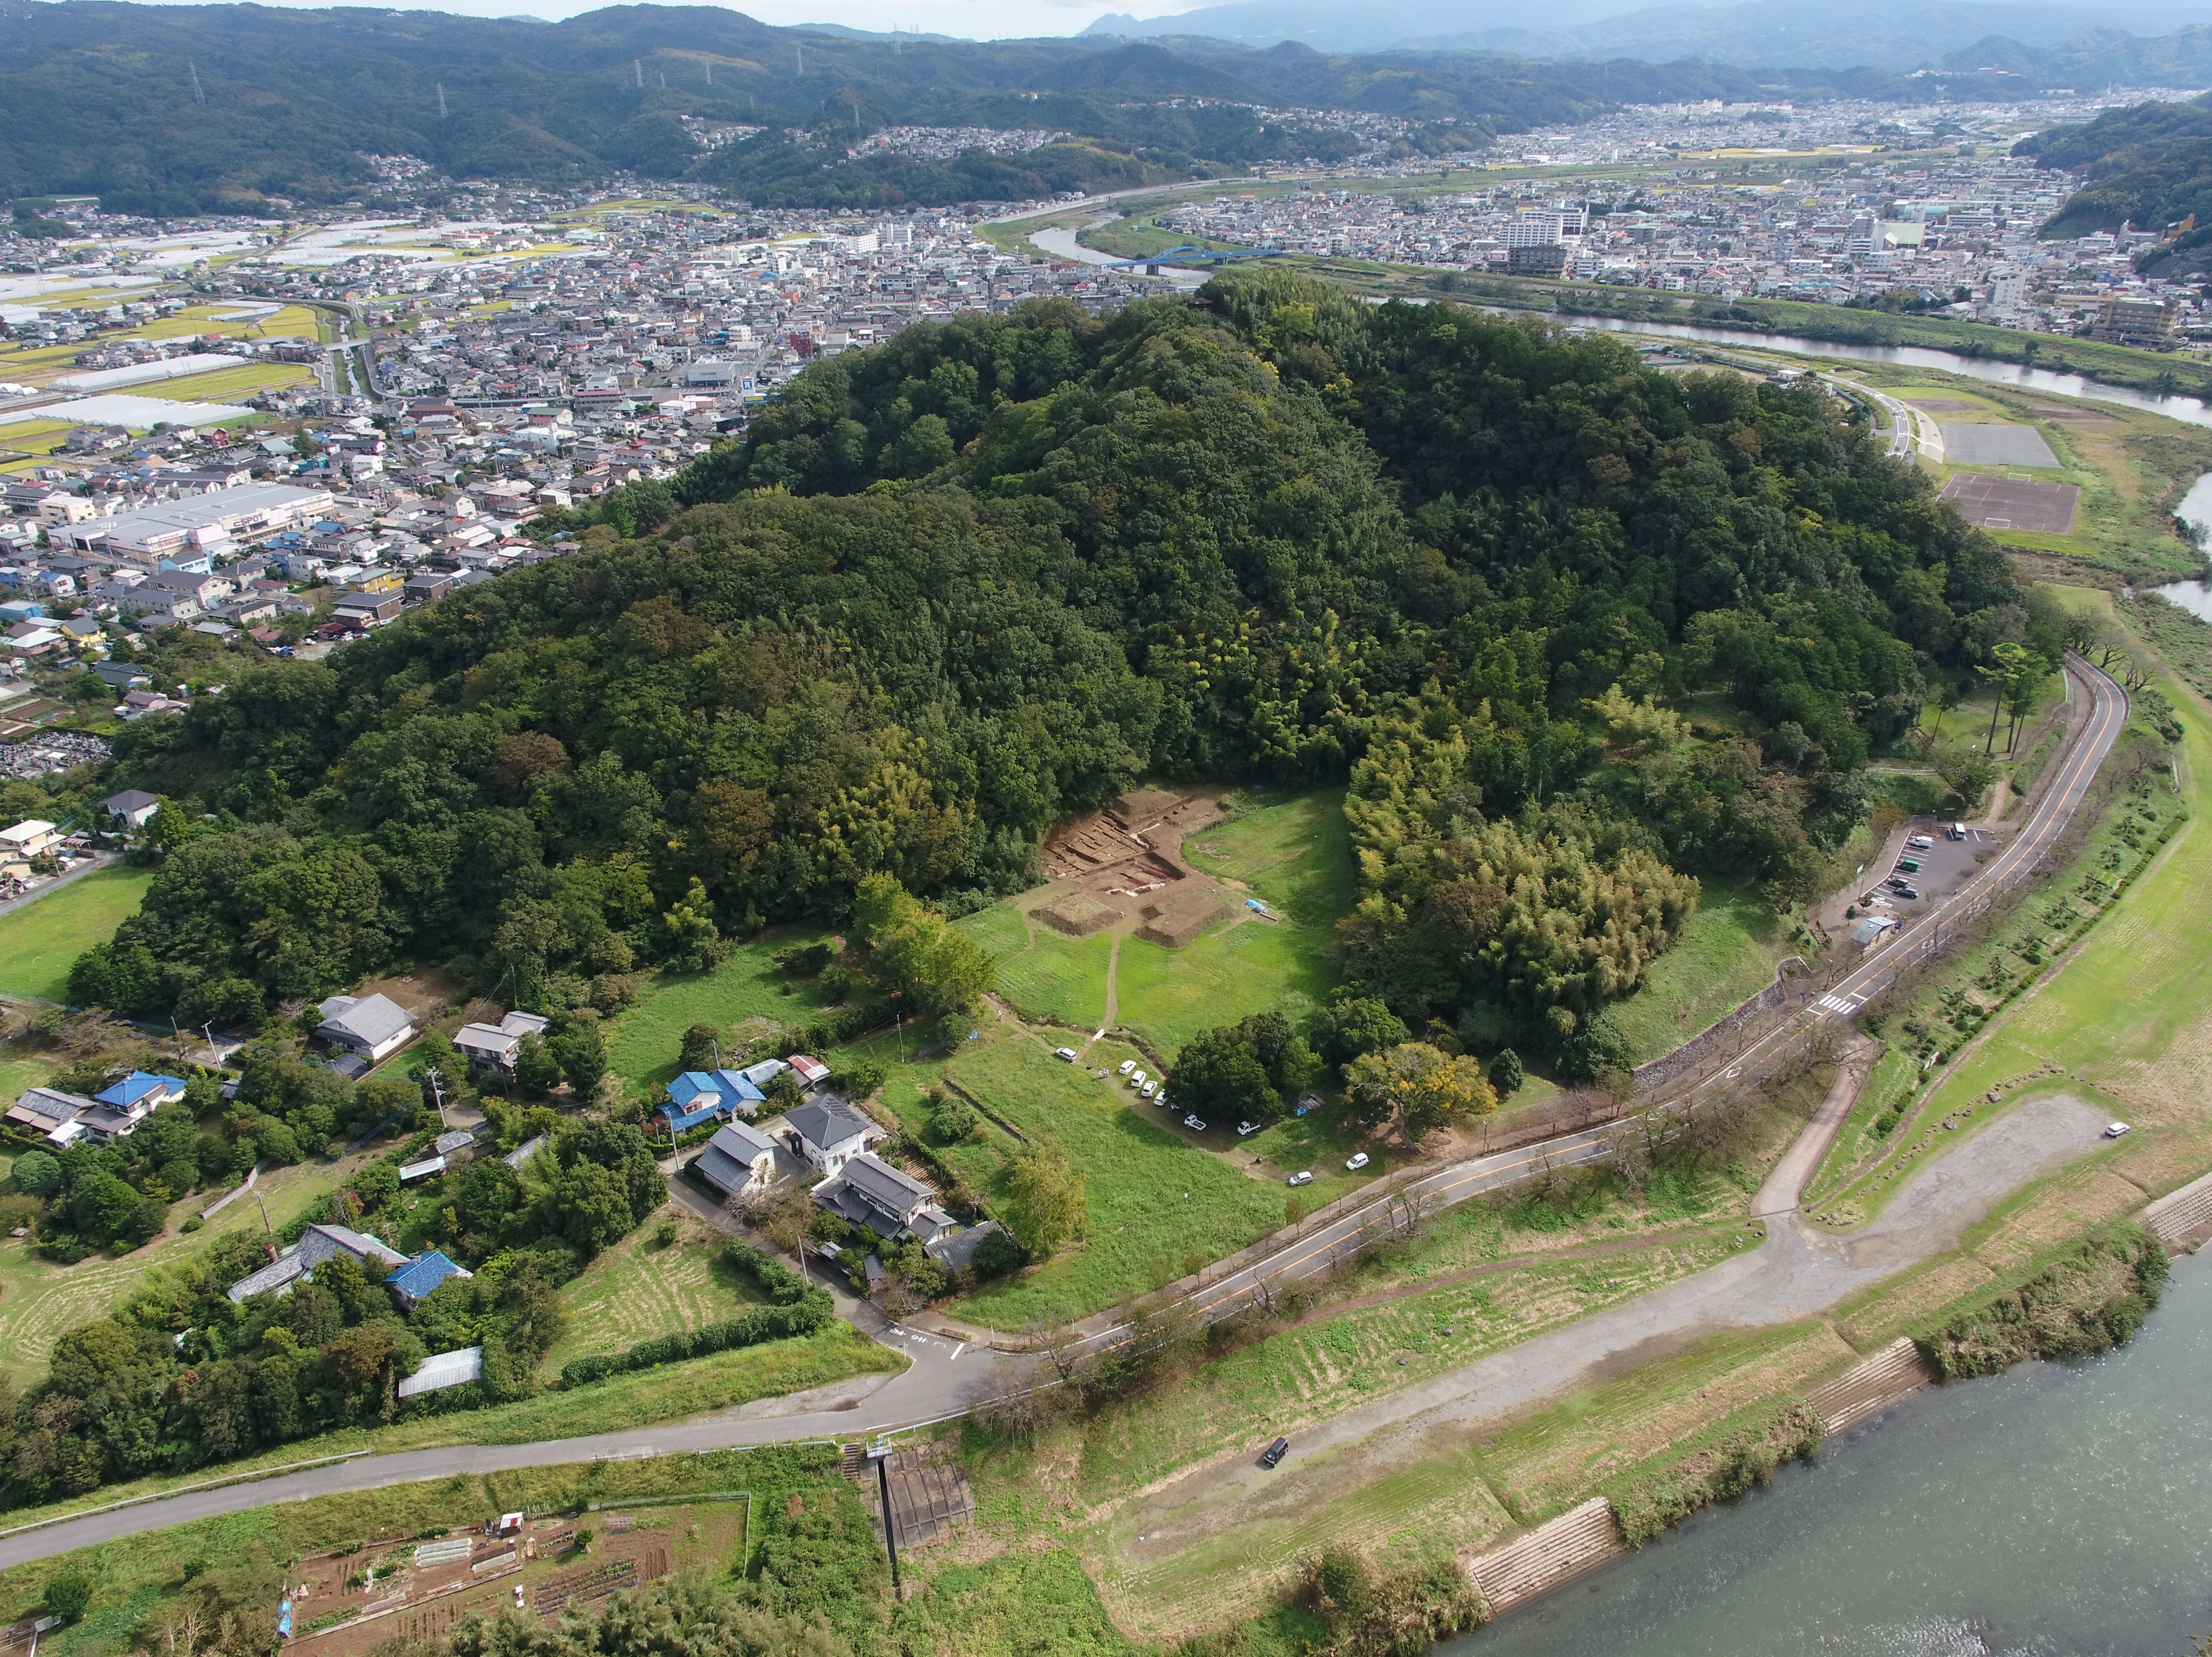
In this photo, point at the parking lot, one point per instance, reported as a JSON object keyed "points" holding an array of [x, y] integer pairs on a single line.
{"points": [[1944, 867]]}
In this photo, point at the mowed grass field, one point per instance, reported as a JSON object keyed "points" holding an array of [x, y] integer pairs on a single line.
{"points": [[1295, 856], [1730, 951], [40, 941], [647, 1037], [638, 1289], [1155, 1199], [1042, 974]]}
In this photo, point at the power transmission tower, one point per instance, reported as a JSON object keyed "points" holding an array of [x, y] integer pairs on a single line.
{"points": [[199, 97], [710, 71], [637, 67], [441, 101]]}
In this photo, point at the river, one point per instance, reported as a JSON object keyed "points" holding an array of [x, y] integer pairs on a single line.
{"points": [[2057, 1508]]}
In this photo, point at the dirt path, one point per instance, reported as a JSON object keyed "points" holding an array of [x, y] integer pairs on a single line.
{"points": [[1782, 1188], [1797, 1273], [1113, 1003]]}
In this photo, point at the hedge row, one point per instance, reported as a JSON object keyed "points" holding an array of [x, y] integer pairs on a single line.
{"points": [[795, 1308], [1725, 1468]]}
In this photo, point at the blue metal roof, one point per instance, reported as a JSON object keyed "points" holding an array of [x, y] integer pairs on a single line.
{"points": [[681, 1122], [135, 1086], [422, 1274], [690, 1085]]}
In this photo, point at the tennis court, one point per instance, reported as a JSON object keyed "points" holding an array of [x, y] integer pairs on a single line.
{"points": [[1966, 444]]}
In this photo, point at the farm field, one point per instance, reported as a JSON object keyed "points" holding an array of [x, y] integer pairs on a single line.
{"points": [[638, 1289], [221, 383], [645, 1039], [1729, 949], [41, 941], [1160, 1205]]}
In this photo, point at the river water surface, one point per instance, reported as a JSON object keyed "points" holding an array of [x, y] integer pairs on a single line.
{"points": [[2063, 1510]]}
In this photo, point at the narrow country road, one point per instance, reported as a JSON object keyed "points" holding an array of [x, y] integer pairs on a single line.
{"points": [[1794, 1271]]}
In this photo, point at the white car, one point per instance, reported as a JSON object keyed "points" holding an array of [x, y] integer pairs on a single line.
{"points": [[1243, 1129], [2113, 1129], [1922, 842], [1149, 1089], [1357, 1162], [1125, 1066], [1066, 1055], [1194, 1124], [1304, 1177], [1136, 1078], [1162, 1102]]}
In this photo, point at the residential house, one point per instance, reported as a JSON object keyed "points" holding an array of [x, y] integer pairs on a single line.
{"points": [[374, 1026], [318, 1243], [117, 1110], [738, 1161], [890, 1203], [829, 1132], [27, 839], [412, 1281], [698, 1095], [493, 1046], [48, 1113]]}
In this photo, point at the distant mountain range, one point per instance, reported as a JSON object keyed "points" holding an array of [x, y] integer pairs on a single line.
{"points": [[1882, 34], [175, 109]]}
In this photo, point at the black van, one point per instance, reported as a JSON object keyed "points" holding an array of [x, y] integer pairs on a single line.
{"points": [[1275, 1453]]}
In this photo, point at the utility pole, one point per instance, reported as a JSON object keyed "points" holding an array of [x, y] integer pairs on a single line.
{"points": [[214, 1054], [880, 1453], [438, 1094], [263, 1207]]}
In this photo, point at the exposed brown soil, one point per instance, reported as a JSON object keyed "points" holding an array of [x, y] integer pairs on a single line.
{"points": [[1121, 870]]}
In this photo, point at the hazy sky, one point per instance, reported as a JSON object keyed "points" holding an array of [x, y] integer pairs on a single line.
{"points": [[975, 20]]}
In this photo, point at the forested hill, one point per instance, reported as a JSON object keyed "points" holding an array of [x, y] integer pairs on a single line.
{"points": [[989, 574], [100, 99], [2147, 165]]}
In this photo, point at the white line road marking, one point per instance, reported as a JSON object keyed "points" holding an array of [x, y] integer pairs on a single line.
{"points": [[956, 1351]]}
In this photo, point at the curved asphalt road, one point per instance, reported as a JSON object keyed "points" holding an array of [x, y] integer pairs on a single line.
{"points": [[938, 1384]]}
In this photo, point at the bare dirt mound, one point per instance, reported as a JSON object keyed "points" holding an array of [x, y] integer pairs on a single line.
{"points": [[1180, 916], [1078, 914]]}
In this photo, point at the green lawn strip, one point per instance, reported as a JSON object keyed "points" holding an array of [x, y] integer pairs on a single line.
{"points": [[1316, 1368], [40, 1301], [1136, 1173], [646, 1038], [1730, 951], [1893, 1078], [638, 1289], [641, 1398], [1165, 996], [135, 1572], [41, 941]]}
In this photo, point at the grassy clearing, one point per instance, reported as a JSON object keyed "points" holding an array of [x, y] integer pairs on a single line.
{"points": [[638, 1289], [41, 941], [1042, 974], [1730, 951], [1168, 996], [1295, 855], [1157, 1199], [647, 1037]]}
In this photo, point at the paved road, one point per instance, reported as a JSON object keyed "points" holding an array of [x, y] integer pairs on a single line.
{"points": [[944, 1372]]}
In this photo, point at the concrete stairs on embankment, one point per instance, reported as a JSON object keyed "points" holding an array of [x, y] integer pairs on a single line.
{"points": [[2184, 1216], [1869, 1385], [1565, 1546]]}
